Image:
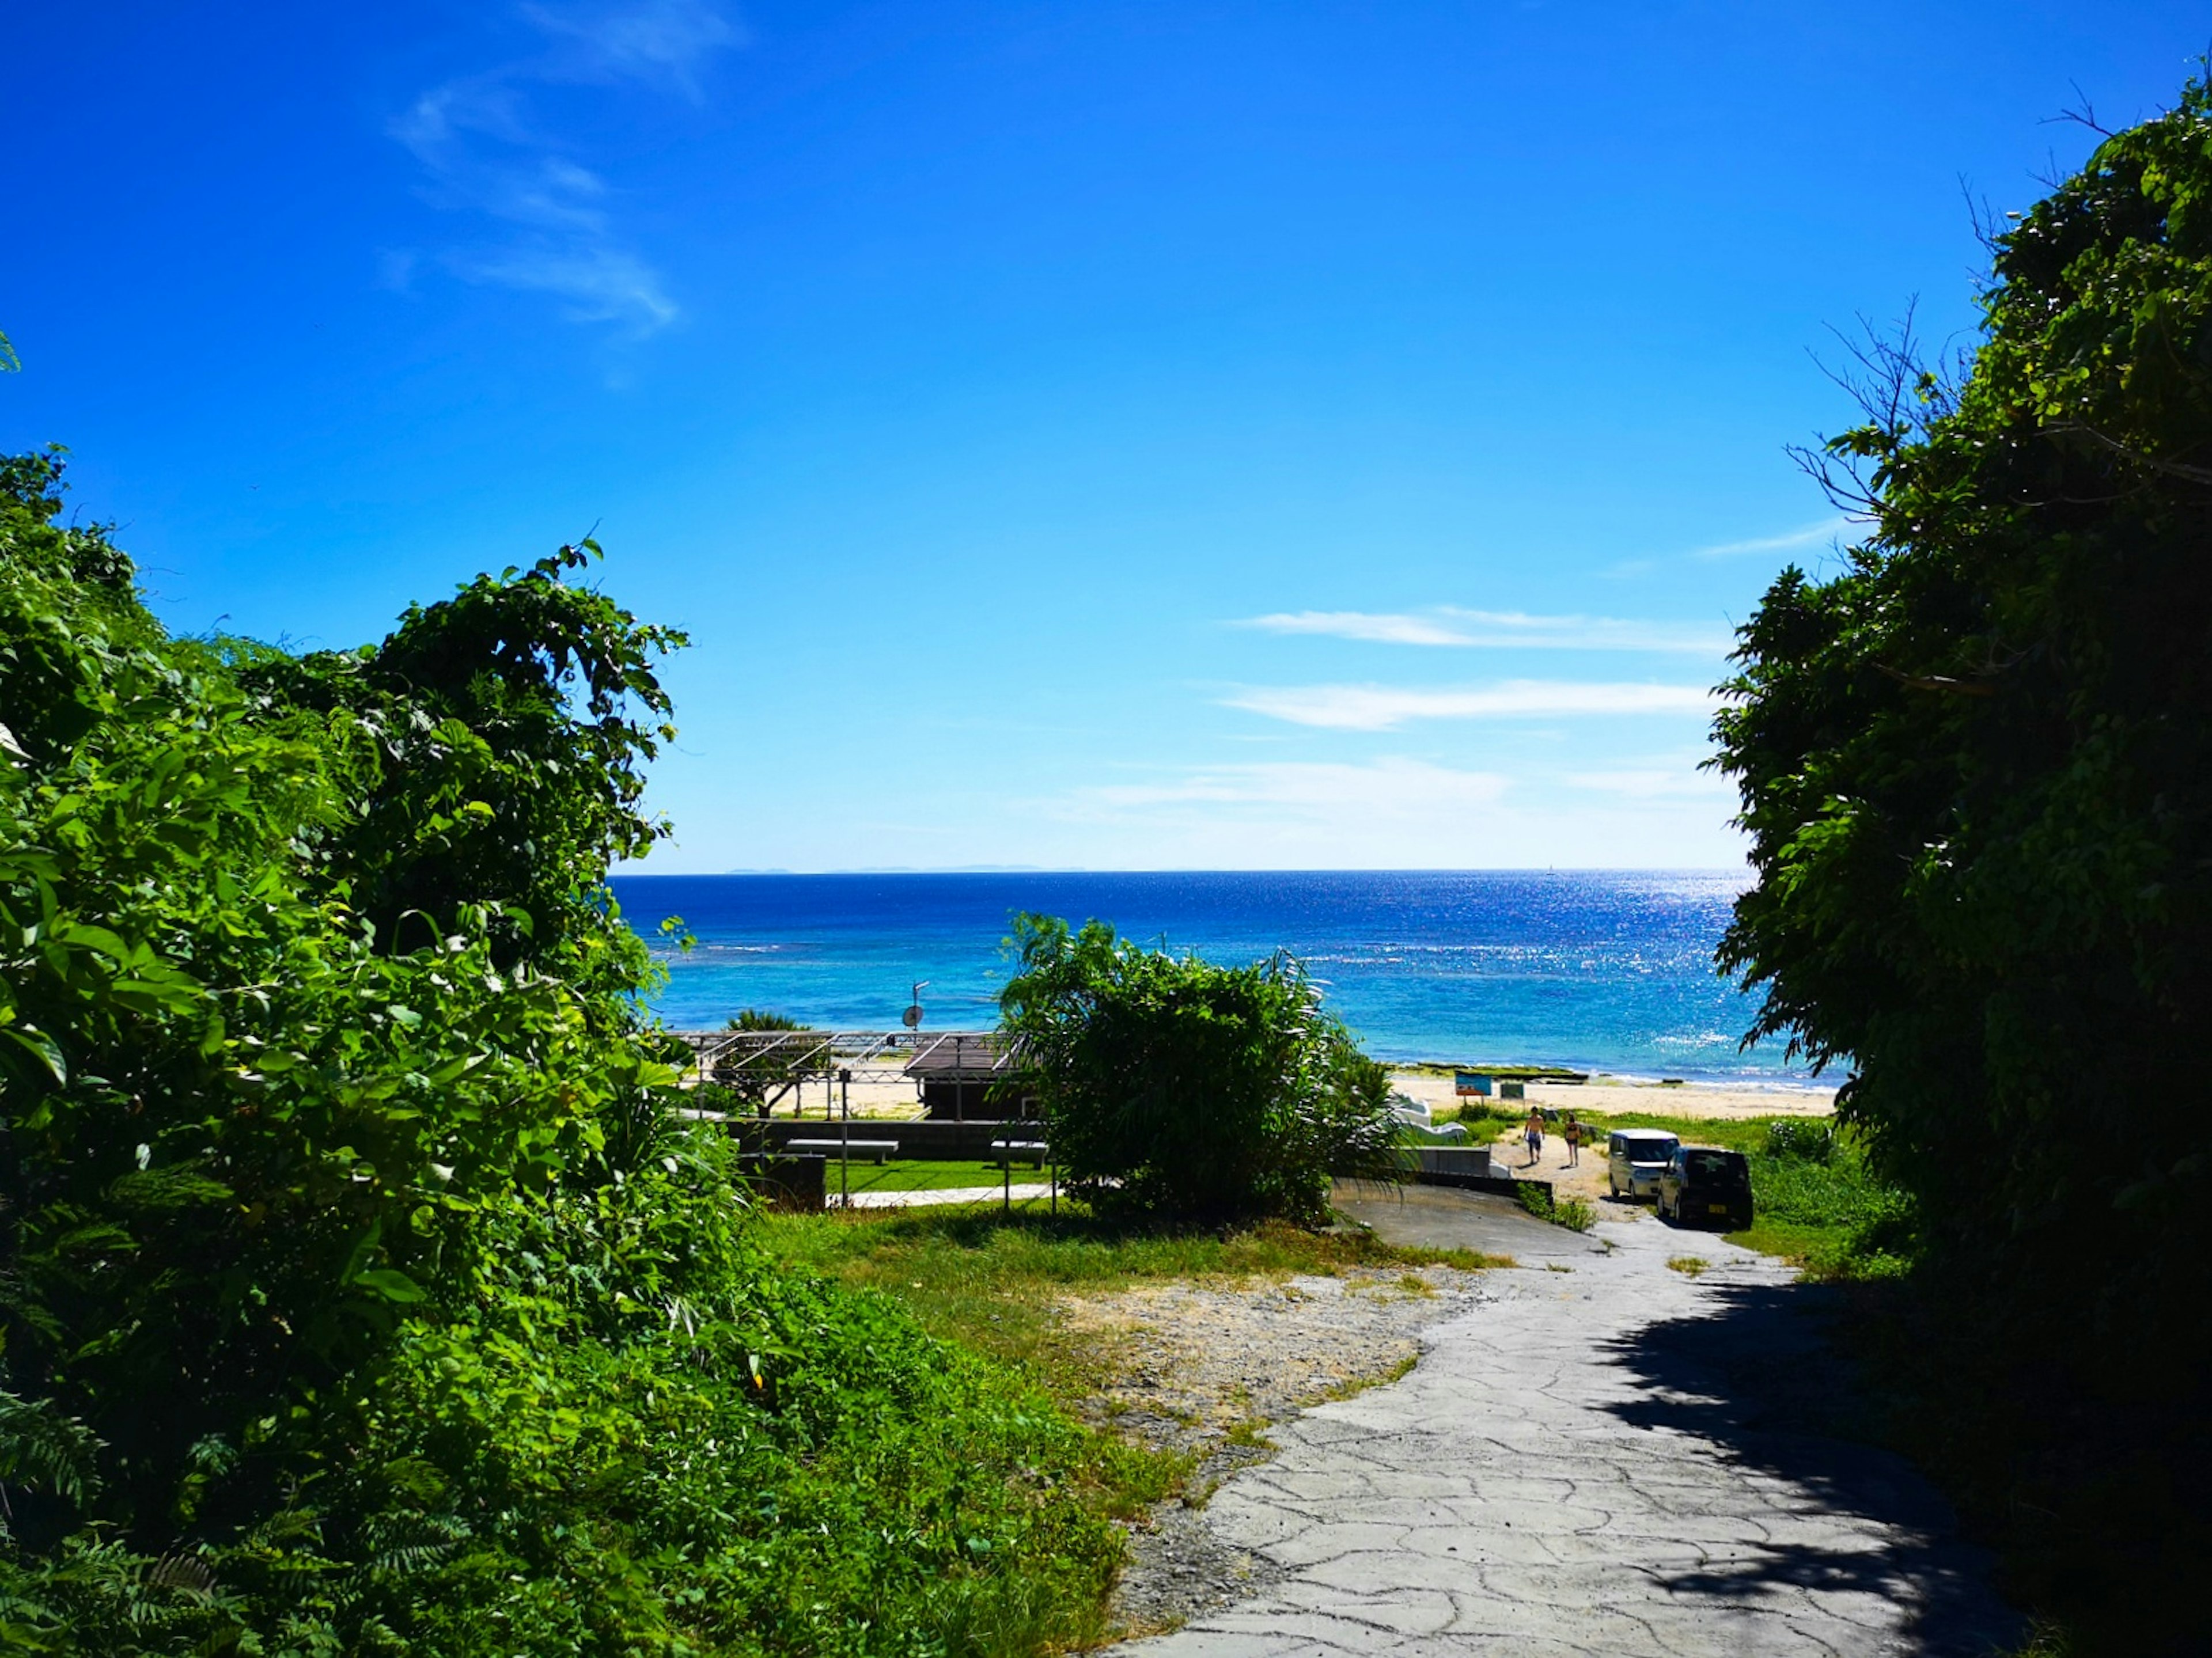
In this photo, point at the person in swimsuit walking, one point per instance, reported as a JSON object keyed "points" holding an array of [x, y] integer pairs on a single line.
{"points": [[1573, 1133]]}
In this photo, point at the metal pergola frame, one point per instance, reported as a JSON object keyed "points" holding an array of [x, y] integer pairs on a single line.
{"points": [[785, 1061]]}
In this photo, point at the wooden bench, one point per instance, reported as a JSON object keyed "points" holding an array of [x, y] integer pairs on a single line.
{"points": [[874, 1150], [1031, 1153]]}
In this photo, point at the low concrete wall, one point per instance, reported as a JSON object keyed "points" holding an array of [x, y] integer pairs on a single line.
{"points": [[925, 1141], [1469, 1168], [1456, 1160], [1505, 1185]]}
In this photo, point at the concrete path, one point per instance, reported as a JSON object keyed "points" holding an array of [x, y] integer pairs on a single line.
{"points": [[1440, 1218], [1605, 1456], [1022, 1192]]}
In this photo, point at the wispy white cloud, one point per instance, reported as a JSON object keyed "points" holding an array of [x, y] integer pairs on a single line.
{"points": [[1384, 708], [1390, 813], [1654, 782], [1303, 784], [1452, 626], [601, 284], [1811, 535], [482, 152], [1364, 625], [658, 42]]}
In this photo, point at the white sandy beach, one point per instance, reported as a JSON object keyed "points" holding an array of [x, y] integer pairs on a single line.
{"points": [[893, 1098], [1612, 1094]]}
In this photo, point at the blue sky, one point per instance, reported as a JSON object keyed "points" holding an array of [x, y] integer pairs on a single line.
{"points": [[1113, 436]]}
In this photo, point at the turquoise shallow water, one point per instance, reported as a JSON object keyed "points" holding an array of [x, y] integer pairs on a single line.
{"points": [[1604, 970]]}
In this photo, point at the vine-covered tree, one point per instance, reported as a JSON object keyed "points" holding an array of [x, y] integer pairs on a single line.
{"points": [[1976, 766]]}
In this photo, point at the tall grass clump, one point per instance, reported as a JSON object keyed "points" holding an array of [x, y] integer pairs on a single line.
{"points": [[1576, 1214], [1848, 1221]]}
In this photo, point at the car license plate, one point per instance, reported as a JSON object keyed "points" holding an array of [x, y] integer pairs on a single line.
{"points": [[1717, 1209]]}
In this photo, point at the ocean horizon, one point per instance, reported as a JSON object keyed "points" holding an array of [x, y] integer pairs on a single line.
{"points": [[1608, 971]]}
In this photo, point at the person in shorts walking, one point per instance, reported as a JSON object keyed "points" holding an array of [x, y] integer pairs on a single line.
{"points": [[1534, 1134]]}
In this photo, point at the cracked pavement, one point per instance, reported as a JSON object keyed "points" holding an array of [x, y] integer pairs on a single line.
{"points": [[1602, 1457]]}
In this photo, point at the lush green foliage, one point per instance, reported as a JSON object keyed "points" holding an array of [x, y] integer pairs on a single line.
{"points": [[359, 1289], [1976, 765], [1172, 1086], [994, 1282], [1816, 1200]]}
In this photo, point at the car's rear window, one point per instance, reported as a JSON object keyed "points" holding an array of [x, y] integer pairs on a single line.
{"points": [[1716, 1168]]}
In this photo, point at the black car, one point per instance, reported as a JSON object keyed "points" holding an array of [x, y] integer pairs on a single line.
{"points": [[1703, 1186]]}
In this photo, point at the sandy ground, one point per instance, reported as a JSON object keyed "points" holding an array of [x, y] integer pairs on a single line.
{"points": [[1585, 1175], [892, 1099], [1582, 1177], [1609, 1095], [897, 1098]]}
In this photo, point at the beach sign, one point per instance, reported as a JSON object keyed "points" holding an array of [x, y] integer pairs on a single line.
{"points": [[1465, 1083]]}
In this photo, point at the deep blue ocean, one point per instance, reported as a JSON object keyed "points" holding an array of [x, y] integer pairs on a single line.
{"points": [[1601, 970]]}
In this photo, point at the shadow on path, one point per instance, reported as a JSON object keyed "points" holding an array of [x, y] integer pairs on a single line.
{"points": [[1753, 1372]]}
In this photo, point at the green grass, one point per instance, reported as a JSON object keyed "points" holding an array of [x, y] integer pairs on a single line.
{"points": [[1831, 1217], [1353, 1386], [1483, 1119], [989, 1281], [1745, 1134], [986, 1285], [1576, 1214]]}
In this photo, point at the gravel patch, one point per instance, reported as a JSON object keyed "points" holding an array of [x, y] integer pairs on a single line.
{"points": [[1202, 1368]]}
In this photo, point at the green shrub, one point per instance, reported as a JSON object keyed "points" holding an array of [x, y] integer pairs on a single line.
{"points": [[1797, 1139], [1483, 1121], [360, 1290], [632, 1435], [1175, 1087], [1974, 759], [1834, 1211]]}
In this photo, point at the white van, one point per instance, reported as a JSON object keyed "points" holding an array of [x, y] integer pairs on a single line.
{"points": [[1636, 1157]]}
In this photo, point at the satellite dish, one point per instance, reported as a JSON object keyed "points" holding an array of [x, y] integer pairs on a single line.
{"points": [[912, 1017]]}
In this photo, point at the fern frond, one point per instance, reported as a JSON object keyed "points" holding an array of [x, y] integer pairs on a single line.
{"points": [[41, 1449]]}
